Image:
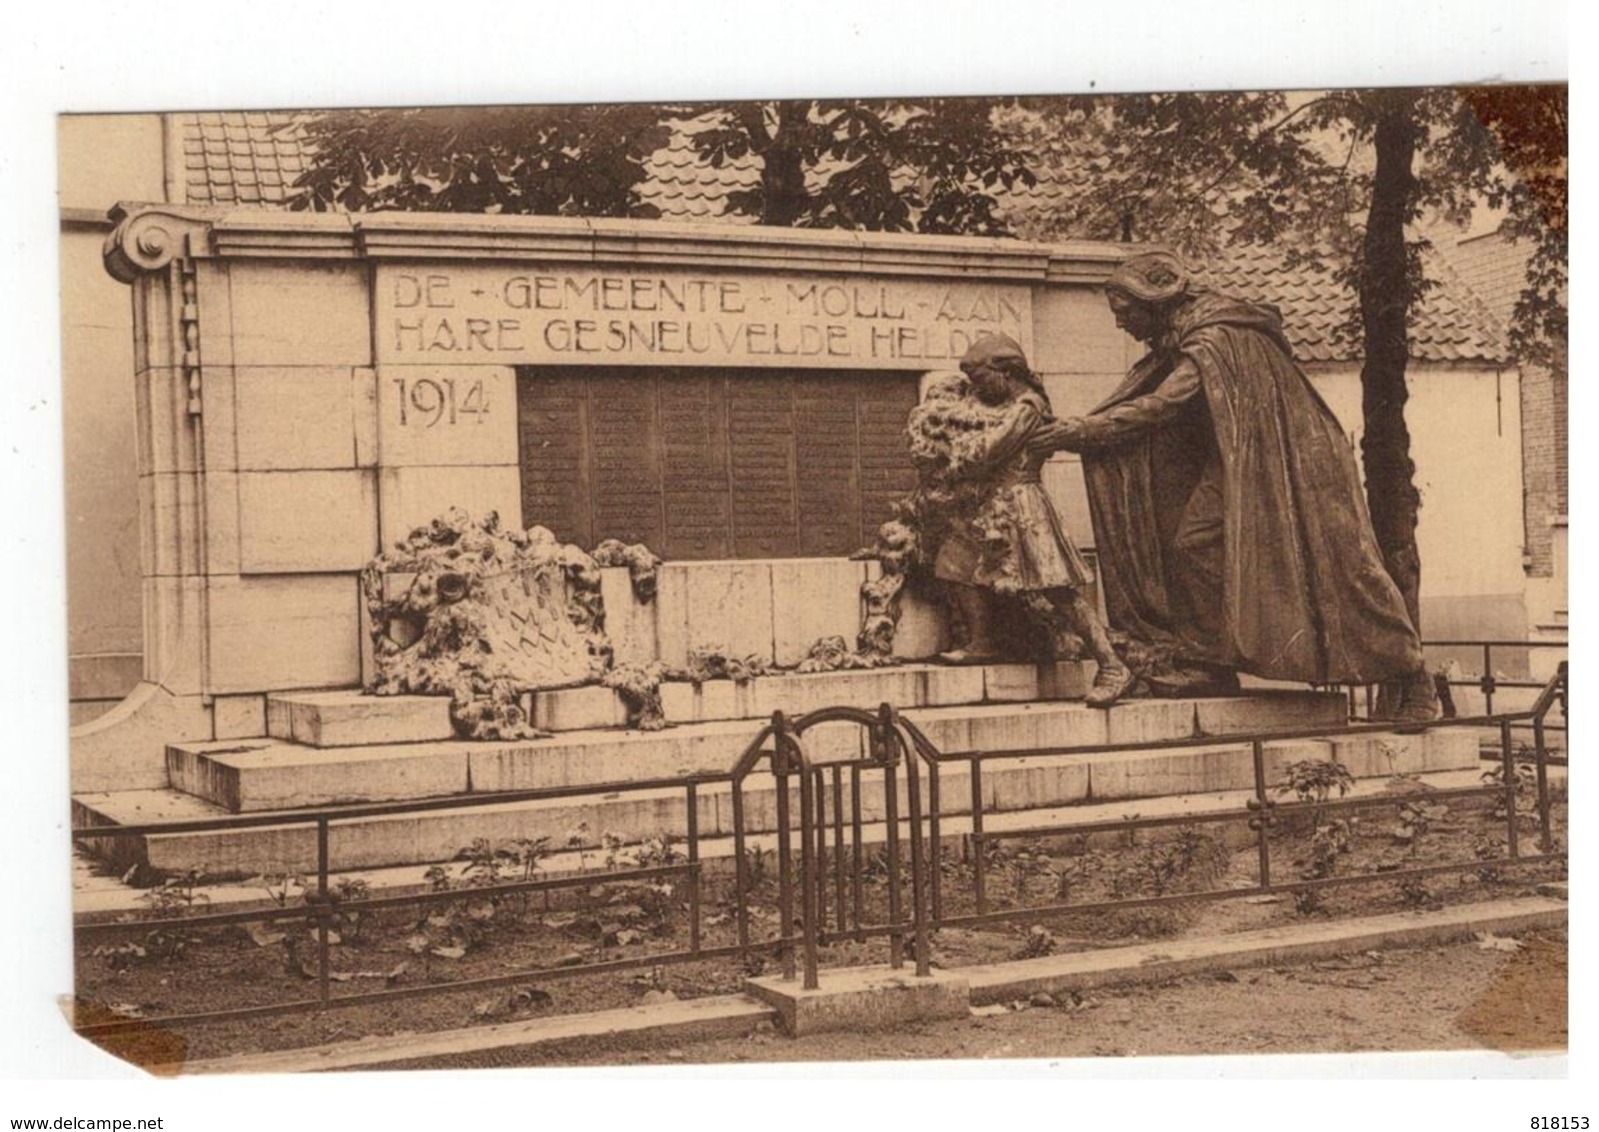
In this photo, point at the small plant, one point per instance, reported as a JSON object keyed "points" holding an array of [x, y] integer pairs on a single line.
{"points": [[171, 899], [282, 887], [1308, 901], [578, 838], [1524, 785], [616, 856], [528, 854], [1312, 781], [1037, 943], [757, 865], [1326, 845], [1075, 872], [1130, 836], [485, 863], [1414, 893], [1415, 819], [658, 851], [175, 896], [1489, 850], [1391, 752], [1190, 858], [1023, 866], [349, 923]]}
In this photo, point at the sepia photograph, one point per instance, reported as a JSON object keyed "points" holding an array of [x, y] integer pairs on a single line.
{"points": [[796, 580]]}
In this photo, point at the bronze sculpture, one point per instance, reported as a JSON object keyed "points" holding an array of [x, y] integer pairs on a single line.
{"points": [[1008, 538], [1228, 513]]}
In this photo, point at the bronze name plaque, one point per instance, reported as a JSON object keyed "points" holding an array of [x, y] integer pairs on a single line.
{"points": [[727, 464]]}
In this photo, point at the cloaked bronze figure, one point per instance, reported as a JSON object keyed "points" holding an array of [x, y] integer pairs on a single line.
{"points": [[1012, 541], [1228, 514]]}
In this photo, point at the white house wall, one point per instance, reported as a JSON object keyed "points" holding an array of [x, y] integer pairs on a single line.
{"points": [[1465, 427]]}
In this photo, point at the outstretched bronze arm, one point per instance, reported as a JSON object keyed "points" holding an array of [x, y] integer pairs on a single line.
{"points": [[1122, 422]]}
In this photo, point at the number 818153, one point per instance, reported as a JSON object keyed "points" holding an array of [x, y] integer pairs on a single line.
{"points": [[1559, 1123]]}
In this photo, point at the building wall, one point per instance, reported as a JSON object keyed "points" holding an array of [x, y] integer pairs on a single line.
{"points": [[1465, 426], [102, 160], [1543, 396]]}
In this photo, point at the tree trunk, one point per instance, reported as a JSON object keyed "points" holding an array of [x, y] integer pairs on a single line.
{"points": [[783, 195], [1386, 292]]}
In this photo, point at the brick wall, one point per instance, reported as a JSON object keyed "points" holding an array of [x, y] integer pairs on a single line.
{"points": [[1543, 442]]}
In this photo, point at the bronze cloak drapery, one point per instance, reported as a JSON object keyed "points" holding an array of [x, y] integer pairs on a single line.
{"points": [[1303, 594]]}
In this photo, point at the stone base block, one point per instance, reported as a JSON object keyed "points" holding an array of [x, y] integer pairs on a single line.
{"points": [[578, 709], [252, 775], [1275, 709], [351, 719], [863, 998], [125, 749]]}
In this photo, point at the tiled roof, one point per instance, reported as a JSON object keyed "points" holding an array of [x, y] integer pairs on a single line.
{"points": [[1451, 325], [253, 158], [686, 187], [240, 158]]}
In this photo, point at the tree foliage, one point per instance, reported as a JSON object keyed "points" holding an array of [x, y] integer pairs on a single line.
{"points": [[1529, 125], [1341, 180], [538, 160], [930, 165], [1198, 172]]}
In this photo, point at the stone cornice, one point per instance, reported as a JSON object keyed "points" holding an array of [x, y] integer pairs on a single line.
{"points": [[147, 237]]}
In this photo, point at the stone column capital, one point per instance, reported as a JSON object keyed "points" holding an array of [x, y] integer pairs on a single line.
{"points": [[147, 237]]}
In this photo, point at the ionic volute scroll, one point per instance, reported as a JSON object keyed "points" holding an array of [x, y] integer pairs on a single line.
{"points": [[148, 237]]}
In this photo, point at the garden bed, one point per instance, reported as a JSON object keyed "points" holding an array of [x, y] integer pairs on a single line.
{"points": [[478, 931]]}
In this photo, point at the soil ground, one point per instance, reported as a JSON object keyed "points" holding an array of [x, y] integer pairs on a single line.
{"points": [[479, 934], [1460, 997]]}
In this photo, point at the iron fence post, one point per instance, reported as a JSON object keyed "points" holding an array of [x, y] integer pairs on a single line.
{"points": [[913, 787], [1262, 820], [785, 882], [936, 833], [840, 913], [857, 852], [692, 800], [740, 868], [819, 819], [1546, 839], [1508, 761], [979, 862], [324, 989], [896, 938], [808, 885]]}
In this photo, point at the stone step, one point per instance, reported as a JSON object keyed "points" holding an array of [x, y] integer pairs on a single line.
{"points": [[349, 718], [245, 776], [1007, 785], [104, 897]]}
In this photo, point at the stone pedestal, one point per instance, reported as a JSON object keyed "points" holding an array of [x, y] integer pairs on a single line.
{"points": [[862, 998]]}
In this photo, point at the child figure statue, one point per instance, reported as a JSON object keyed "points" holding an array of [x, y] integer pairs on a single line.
{"points": [[1010, 540]]}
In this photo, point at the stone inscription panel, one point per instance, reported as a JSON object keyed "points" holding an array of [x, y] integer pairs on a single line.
{"points": [[562, 316], [446, 415], [729, 464]]}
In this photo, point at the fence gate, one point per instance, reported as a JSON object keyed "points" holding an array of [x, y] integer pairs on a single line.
{"points": [[837, 800]]}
